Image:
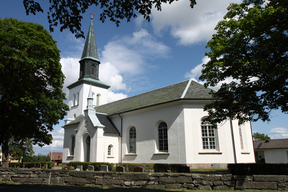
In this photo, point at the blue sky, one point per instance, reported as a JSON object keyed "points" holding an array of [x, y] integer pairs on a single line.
{"points": [[140, 56]]}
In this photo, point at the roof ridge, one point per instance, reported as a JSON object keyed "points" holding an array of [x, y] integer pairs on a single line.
{"points": [[143, 93], [186, 89]]}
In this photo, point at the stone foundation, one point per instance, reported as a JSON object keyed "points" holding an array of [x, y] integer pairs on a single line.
{"points": [[144, 180]]}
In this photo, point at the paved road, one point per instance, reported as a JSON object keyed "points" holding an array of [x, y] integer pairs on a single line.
{"points": [[48, 188]]}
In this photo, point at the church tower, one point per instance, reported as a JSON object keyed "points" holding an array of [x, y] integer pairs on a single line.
{"points": [[88, 76]]}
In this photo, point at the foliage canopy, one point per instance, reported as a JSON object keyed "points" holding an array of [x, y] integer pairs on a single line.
{"points": [[251, 48], [31, 81], [67, 13], [260, 136]]}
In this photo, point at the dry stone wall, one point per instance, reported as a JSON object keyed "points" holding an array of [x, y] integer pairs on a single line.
{"points": [[144, 180]]}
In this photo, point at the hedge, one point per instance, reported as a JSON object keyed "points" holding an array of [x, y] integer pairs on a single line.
{"points": [[32, 164], [258, 169]]}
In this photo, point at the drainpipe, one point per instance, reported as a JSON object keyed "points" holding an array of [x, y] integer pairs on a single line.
{"points": [[121, 127], [233, 141]]}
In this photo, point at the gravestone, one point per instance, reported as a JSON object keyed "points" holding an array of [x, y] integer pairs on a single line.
{"points": [[120, 169], [80, 167], [23, 165], [138, 169], [90, 168], [104, 168]]}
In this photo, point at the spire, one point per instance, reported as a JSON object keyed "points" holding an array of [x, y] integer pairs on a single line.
{"points": [[90, 99], [90, 47], [89, 63]]}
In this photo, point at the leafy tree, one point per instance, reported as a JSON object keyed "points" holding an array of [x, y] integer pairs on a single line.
{"points": [[67, 13], [260, 136], [251, 48], [31, 84], [22, 149], [38, 158]]}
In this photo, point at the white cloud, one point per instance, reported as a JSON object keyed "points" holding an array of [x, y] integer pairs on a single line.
{"points": [[190, 25], [129, 54], [115, 96], [278, 133]]}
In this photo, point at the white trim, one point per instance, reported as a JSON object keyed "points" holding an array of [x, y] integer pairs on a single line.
{"points": [[186, 89]]}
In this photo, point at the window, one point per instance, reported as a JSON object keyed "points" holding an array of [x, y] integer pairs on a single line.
{"points": [[241, 138], [163, 137], [93, 69], [110, 150], [74, 100], [132, 140], [208, 135], [72, 145]]}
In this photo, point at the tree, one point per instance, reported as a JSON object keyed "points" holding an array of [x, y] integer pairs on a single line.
{"points": [[250, 47], [67, 13], [31, 84], [22, 149], [260, 136]]}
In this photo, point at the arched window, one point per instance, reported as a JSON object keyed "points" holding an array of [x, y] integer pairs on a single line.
{"points": [[93, 69], [132, 140], [163, 137], [74, 100], [72, 145], [208, 135], [110, 150]]}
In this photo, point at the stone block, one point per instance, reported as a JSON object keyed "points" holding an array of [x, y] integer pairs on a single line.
{"points": [[104, 168], [134, 176], [218, 183], [180, 179], [173, 186], [188, 186], [138, 169], [109, 182], [140, 183], [222, 188], [204, 187], [230, 183], [81, 174], [256, 185], [57, 181], [155, 186], [120, 169], [243, 177], [276, 178], [74, 181], [90, 168]]}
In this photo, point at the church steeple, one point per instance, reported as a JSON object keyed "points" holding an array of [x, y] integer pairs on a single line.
{"points": [[89, 63]]}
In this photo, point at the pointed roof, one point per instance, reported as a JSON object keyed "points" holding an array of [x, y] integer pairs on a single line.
{"points": [[271, 144], [90, 47], [186, 90]]}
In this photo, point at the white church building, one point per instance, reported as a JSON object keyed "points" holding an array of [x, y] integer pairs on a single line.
{"points": [[166, 125]]}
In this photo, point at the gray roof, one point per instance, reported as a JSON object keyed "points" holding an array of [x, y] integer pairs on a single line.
{"points": [[90, 47], [109, 127], [271, 144], [186, 90]]}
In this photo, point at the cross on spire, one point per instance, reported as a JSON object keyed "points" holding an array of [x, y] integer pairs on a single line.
{"points": [[92, 15]]}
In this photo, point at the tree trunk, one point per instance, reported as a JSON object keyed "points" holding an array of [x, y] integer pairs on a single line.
{"points": [[5, 151]]}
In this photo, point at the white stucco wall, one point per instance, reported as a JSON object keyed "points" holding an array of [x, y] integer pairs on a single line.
{"points": [[275, 155], [83, 91]]}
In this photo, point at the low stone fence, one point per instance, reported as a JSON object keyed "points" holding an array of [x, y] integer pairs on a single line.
{"points": [[144, 180]]}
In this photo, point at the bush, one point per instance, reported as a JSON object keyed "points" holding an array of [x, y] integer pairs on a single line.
{"points": [[71, 168], [258, 169], [32, 164]]}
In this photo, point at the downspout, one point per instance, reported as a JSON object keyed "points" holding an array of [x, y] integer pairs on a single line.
{"points": [[121, 127], [233, 141]]}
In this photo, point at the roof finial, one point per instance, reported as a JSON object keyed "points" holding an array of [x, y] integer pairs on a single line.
{"points": [[92, 15]]}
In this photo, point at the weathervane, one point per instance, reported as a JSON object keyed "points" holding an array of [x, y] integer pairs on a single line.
{"points": [[92, 15]]}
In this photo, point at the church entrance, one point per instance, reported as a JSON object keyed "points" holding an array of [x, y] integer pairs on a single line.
{"points": [[87, 141]]}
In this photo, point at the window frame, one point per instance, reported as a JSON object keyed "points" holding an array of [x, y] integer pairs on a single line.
{"points": [[209, 137], [163, 137], [132, 140]]}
